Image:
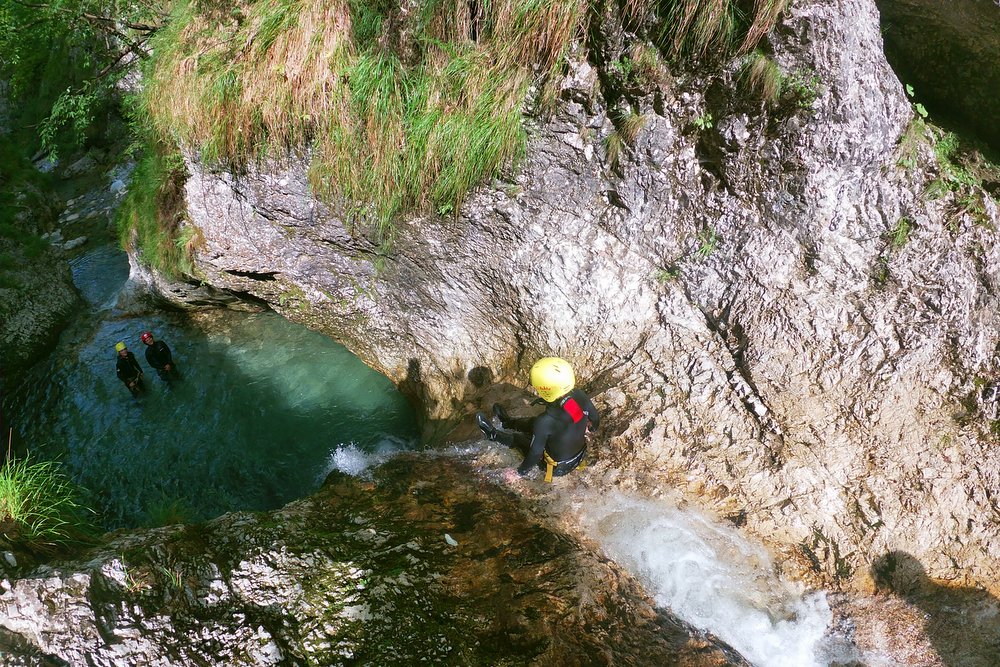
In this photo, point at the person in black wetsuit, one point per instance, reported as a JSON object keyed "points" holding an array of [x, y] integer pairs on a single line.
{"points": [[128, 369], [554, 440], [158, 356]]}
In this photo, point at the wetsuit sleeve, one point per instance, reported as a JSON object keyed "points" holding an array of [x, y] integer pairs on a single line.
{"points": [[592, 414], [539, 437]]}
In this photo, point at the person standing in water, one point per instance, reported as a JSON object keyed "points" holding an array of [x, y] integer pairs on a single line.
{"points": [[555, 439], [158, 356], [128, 369]]}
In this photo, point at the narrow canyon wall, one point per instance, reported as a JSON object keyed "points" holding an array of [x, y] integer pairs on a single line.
{"points": [[772, 312]]}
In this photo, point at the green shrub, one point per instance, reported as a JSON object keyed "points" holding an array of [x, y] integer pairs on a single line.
{"points": [[151, 212], [38, 506]]}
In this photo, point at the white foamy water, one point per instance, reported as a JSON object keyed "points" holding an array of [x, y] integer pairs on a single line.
{"points": [[712, 577], [355, 461]]}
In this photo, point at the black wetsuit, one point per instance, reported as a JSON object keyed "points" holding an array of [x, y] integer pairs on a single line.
{"points": [[158, 356], [130, 372], [560, 431]]}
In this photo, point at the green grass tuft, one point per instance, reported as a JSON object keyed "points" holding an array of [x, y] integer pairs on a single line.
{"points": [[761, 77], [700, 29], [149, 218], [38, 506]]}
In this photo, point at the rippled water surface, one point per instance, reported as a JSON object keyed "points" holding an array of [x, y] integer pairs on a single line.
{"points": [[261, 408]]}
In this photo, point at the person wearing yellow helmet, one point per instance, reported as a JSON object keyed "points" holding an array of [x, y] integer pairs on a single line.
{"points": [[556, 439], [128, 369]]}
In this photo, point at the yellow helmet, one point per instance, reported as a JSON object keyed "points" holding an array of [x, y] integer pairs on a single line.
{"points": [[552, 378], [119, 346]]}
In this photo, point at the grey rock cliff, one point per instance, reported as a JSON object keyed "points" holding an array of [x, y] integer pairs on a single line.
{"points": [[771, 310]]}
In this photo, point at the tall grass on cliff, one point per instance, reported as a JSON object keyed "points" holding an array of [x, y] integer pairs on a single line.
{"points": [[150, 216], [699, 29], [400, 105], [38, 507], [402, 110]]}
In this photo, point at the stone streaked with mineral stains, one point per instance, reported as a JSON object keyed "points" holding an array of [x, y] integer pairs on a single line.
{"points": [[356, 574]]}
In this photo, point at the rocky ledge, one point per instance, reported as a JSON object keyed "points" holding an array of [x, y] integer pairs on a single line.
{"points": [[426, 562]]}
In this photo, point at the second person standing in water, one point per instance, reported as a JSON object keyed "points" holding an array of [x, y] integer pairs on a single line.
{"points": [[158, 356]]}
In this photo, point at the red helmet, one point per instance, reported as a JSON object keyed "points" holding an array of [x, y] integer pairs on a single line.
{"points": [[146, 337]]}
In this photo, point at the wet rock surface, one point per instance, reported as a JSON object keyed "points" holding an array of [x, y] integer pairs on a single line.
{"points": [[426, 561], [36, 301]]}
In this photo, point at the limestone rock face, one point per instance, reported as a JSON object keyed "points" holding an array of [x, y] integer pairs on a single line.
{"points": [[425, 563], [771, 310]]}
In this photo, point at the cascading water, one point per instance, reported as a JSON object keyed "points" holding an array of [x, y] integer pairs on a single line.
{"points": [[261, 406], [704, 571], [712, 577]]}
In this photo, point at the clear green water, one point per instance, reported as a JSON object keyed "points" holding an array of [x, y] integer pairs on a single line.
{"points": [[263, 407]]}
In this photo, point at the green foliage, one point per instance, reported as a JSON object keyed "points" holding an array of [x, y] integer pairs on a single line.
{"points": [[954, 174], [910, 142], [700, 29], [761, 77], [62, 61], [704, 122], [38, 506], [920, 108], [900, 234], [708, 241], [394, 126], [149, 217], [638, 70], [667, 274], [803, 87]]}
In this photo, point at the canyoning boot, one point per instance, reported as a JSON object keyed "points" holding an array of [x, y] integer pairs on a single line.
{"points": [[501, 415], [486, 426]]}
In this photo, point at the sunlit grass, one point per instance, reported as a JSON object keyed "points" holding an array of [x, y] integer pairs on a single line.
{"points": [[394, 112], [38, 506], [148, 219], [761, 77]]}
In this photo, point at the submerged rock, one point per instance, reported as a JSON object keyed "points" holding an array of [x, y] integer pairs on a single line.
{"points": [[360, 573]]}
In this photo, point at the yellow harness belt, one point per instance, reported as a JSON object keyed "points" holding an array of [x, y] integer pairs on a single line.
{"points": [[551, 463]]}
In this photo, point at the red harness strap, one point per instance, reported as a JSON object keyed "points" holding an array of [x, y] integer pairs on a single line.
{"points": [[573, 408]]}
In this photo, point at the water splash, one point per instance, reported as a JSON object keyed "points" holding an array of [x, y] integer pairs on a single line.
{"points": [[712, 577], [357, 461]]}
